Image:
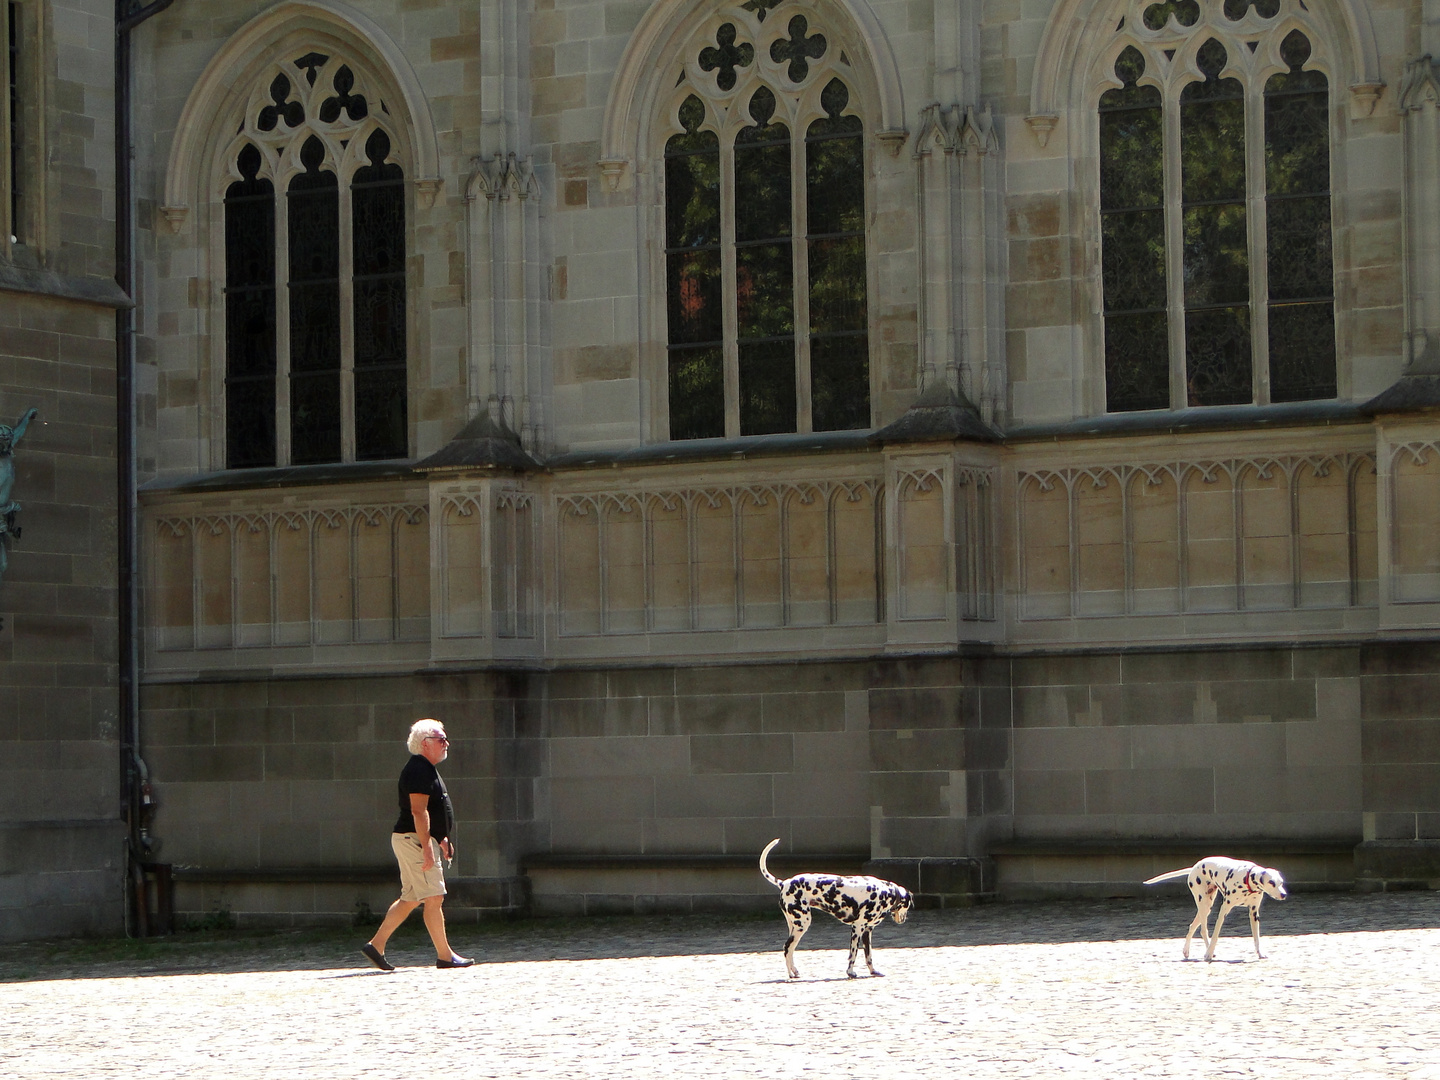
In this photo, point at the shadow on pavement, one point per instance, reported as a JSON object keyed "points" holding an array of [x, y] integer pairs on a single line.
{"points": [[1162, 917]]}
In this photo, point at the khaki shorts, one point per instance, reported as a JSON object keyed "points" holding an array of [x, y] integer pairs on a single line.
{"points": [[417, 884]]}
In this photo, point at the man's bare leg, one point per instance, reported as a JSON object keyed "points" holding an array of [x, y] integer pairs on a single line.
{"points": [[399, 911], [434, 914]]}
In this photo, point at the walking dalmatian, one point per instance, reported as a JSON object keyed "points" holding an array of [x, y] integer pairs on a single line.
{"points": [[1238, 883], [861, 903]]}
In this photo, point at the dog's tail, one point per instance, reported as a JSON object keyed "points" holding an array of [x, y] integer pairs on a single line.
{"points": [[766, 870], [1171, 876]]}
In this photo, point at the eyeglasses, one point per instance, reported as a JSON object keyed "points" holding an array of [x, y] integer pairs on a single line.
{"points": [[438, 738]]}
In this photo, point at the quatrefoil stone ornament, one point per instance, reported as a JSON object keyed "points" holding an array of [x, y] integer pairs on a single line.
{"points": [[799, 49], [726, 56]]}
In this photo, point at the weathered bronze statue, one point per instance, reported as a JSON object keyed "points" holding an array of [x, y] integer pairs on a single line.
{"points": [[8, 507]]}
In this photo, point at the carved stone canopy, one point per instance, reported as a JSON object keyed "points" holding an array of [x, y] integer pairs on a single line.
{"points": [[1417, 390], [481, 444], [940, 414]]}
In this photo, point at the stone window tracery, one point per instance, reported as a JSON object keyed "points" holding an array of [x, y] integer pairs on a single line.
{"points": [[315, 307], [765, 269], [1215, 223]]}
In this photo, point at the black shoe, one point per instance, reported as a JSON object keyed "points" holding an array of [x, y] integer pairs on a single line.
{"points": [[454, 962], [376, 957]]}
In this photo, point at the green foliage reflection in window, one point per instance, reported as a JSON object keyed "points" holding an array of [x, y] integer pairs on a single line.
{"points": [[1237, 310]]}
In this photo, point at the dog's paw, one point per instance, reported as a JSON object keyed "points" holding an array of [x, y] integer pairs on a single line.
{"points": [[876, 974]]}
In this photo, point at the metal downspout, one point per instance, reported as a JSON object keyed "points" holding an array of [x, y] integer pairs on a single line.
{"points": [[134, 777]]}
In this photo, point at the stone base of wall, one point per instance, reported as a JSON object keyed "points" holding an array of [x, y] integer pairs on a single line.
{"points": [[939, 883], [314, 897], [1392, 865], [1104, 869], [666, 884], [61, 879]]}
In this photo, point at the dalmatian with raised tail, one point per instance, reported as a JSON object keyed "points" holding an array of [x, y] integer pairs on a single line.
{"points": [[861, 903], [1237, 883]]}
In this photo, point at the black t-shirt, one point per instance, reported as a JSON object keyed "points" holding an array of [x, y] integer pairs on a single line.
{"points": [[419, 777]]}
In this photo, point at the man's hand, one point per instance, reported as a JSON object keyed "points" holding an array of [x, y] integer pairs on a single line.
{"points": [[420, 811], [447, 849]]}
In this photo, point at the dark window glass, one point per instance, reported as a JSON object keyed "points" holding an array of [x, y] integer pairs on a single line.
{"points": [[314, 211], [835, 211], [692, 272], [767, 386], [249, 317], [697, 392], [1185, 12], [1216, 249], [764, 272], [1132, 222], [377, 197], [1235, 9], [1297, 216]]}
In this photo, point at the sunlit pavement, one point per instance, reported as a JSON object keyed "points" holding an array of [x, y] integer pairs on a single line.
{"points": [[1026, 990]]}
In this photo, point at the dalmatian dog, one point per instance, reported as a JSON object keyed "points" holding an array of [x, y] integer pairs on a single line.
{"points": [[861, 903], [1237, 883]]}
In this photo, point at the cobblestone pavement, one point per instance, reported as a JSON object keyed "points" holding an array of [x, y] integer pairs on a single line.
{"points": [[1092, 989]]}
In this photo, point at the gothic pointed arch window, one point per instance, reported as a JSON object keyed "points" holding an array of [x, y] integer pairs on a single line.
{"points": [[764, 209], [1215, 216], [315, 308]]}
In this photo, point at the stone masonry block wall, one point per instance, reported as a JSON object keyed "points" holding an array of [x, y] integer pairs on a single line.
{"points": [[290, 774], [712, 760], [59, 773], [895, 759], [1224, 744], [61, 836], [1400, 740]]}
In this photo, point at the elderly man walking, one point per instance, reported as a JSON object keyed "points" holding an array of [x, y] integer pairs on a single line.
{"points": [[421, 836]]}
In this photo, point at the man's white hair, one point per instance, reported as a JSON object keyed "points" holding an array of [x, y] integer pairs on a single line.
{"points": [[422, 728]]}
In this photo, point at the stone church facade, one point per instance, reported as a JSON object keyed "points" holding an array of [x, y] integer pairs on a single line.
{"points": [[991, 444]]}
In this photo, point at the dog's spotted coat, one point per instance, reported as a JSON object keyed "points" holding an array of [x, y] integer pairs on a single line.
{"points": [[1237, 883], [861, 903]]}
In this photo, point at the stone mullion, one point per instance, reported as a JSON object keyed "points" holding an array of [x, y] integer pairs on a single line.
{"points": [[1182, 536], [692, 558], [730, 313], [1072, 520], [272, 566], [647, 561], [395, 574], [282, 323], [1174, 248], [832, 599], [1255, 219], [1352, 528], [800, 263], [737, 551], [1237, 517], [197, 585], [1127, 478], [234, 582], [782, 511], [1293, 483], [346, 241], [603, 561], [877, 504]]}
